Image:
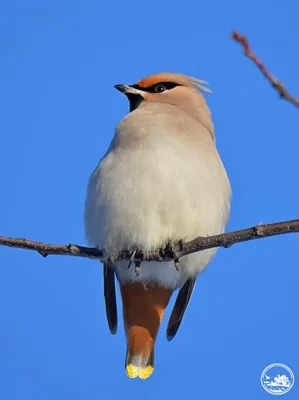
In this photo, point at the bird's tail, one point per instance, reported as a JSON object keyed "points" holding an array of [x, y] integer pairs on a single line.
{"points": [[143, 310], [139, 365]]}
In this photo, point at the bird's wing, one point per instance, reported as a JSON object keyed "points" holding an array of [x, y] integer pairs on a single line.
{"points": [[110, 298], [179, 308]]}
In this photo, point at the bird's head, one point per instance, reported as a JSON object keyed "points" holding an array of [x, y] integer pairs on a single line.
{"points": [[175, 89]]}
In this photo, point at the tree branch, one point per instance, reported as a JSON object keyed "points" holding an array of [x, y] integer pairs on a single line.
{"points": [[166, 253], [278, 86]]}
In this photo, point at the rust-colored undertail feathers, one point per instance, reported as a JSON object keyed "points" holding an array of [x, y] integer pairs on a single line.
{"points": [[143, 310]]}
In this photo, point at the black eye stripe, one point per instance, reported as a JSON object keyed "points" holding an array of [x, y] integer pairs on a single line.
{"points": [[151, 89]]}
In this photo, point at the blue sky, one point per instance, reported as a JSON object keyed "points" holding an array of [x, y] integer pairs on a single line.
{"points": [[59, 62]]}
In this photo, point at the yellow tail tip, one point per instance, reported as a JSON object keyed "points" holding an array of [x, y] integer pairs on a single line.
{"points": [[146, 372], [134, 372]]}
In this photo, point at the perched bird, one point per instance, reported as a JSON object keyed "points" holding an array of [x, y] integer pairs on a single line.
{"points": [[161, 179]]}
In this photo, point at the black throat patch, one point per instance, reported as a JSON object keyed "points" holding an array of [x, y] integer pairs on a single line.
{"points": [[135, 100]]}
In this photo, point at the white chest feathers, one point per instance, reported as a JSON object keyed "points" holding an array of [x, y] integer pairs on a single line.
{"points": [[158, 181]]}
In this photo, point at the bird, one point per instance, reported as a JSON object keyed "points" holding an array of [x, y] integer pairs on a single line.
{"points": [[161, 179]]}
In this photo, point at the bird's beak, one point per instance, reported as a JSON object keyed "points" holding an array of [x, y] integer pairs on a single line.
{"points": [[128, 89]]}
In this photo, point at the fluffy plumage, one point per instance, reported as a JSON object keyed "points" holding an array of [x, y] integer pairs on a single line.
{"points": [[161, 178]]}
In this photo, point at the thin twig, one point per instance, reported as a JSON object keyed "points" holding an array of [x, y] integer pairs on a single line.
{"points": [[167, 252], [278, 86]]}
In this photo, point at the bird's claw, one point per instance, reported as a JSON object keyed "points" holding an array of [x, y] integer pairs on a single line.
{"points": [[169, 251], [132, 258], [176, 264], [137, 267]]}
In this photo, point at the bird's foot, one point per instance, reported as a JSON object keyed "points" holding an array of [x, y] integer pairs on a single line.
{"points": [[137, 267], [132, 258], [176, 264], [137, 263], [181, 244], [169, 251]]}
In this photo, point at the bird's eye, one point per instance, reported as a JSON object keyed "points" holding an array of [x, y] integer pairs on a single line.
{"points": [[159, 88]]}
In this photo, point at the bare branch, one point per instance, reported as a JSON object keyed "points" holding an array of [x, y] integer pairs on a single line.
{"points": [[278, 86], [166, 253]]}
